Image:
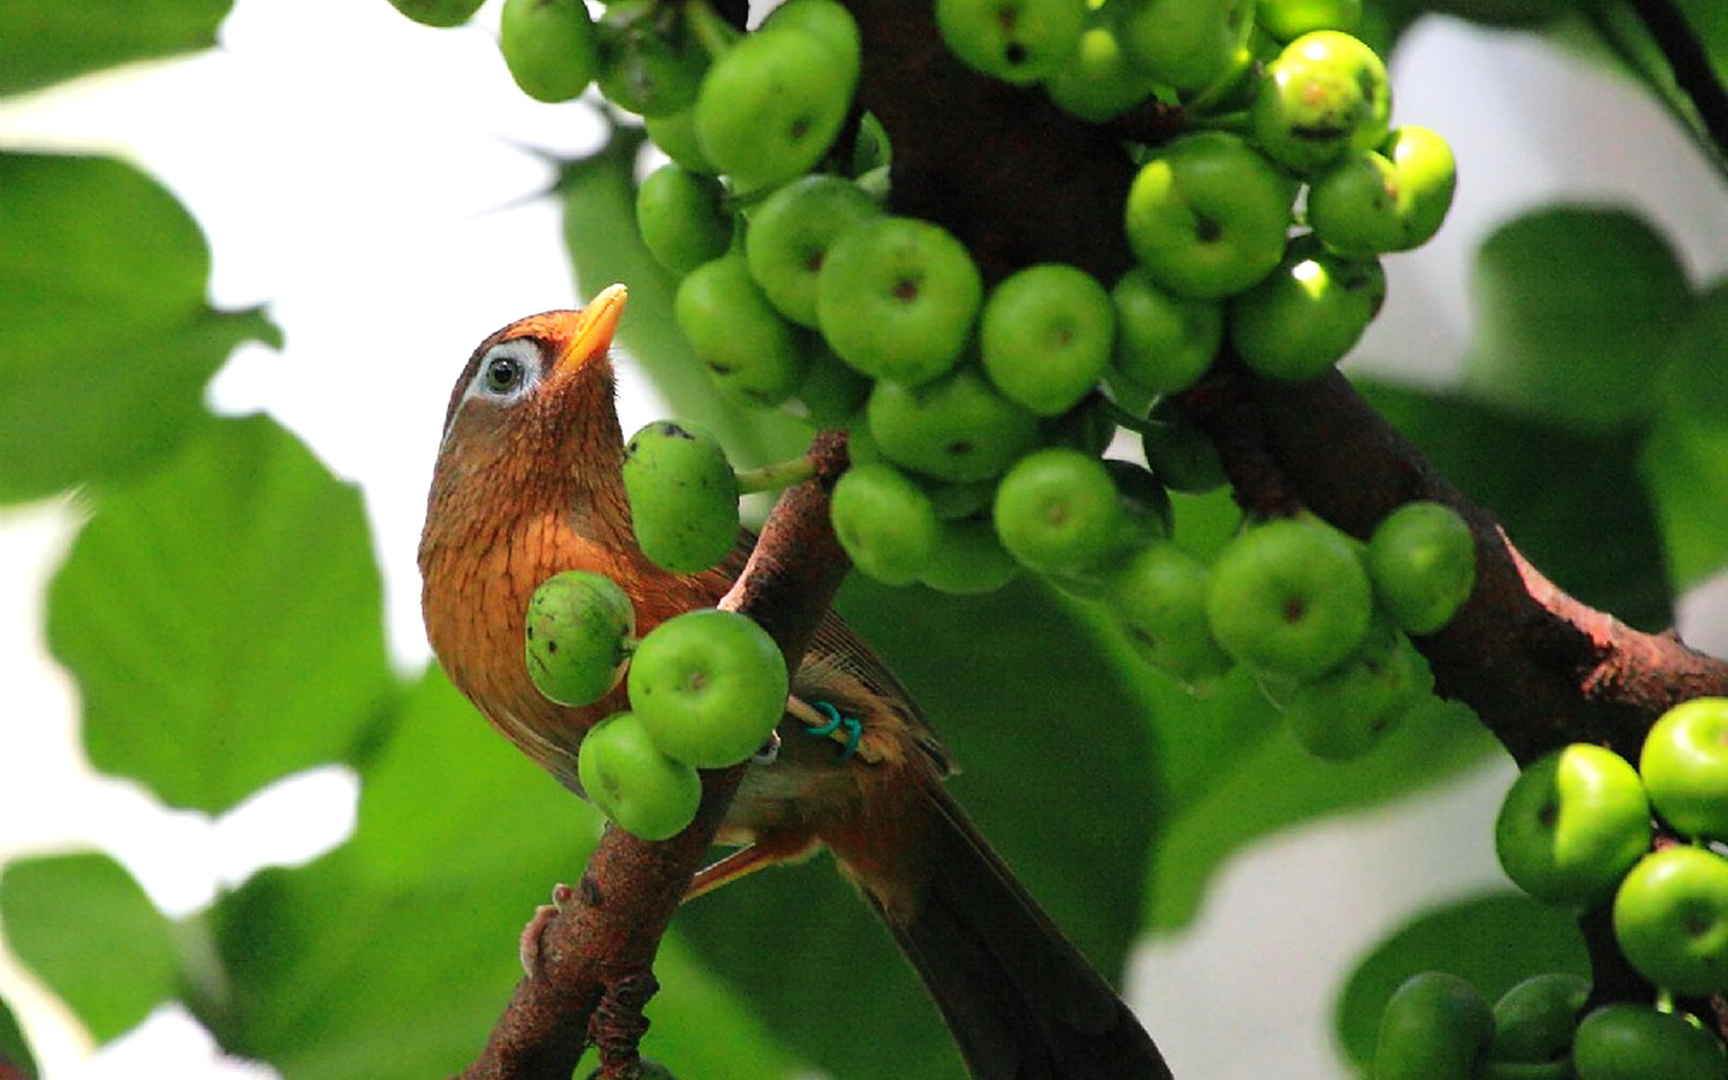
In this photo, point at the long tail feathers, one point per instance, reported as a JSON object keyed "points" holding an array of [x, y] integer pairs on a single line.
{"points": [[1021, 1001]]}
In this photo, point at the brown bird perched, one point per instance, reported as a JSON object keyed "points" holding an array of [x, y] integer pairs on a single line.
{"points": [[527, 484]]}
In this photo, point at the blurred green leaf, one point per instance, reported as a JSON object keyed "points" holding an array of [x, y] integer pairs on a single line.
{"points": [[1053, 746], [599, 200], [83, 925], [393, 956], [1685, 461], [1572, 308], [102, 281], [223, 618], [1259, 781], [1685, 464], [1550, 486], [1232, 773], [1494, 941], [14, 1049], [1612, 34], [42, 43]]}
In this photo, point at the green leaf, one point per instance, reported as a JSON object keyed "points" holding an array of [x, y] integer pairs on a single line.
{"points": [[1231, 773], [1685, 461], [1572, 306], [137, 404], [599, 200], [1053, 745], [14, 1048], [222, 616], [1685, 464], [1244, 776], [1612, 34], [83, 925], [102, 281], [46, 41], [1494, 941], [1549, 486], [393, 956]]}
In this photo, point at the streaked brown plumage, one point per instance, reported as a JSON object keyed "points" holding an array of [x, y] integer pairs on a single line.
{"points": [[527, 484]]}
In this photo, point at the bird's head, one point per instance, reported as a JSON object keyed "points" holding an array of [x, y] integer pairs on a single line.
{"points": [[532, 414]]}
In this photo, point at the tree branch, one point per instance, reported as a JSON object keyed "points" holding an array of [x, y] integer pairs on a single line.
{"points": [[1539, 668], [596, 954], [1028, 183], [1021, 182]]}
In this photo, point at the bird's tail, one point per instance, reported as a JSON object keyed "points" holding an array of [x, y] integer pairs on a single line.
{"points": [[1021, 1001]]}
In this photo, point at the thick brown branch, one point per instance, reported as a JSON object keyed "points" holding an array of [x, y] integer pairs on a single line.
{"points": [[1539, 668], [1013, 176], [1021, 182], [594, 970]]}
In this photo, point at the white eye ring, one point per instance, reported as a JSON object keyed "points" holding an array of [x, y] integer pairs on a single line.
{"points": [[508, 372]]}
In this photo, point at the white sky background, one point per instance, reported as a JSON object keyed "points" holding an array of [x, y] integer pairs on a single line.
{"points": [[364, 176]]}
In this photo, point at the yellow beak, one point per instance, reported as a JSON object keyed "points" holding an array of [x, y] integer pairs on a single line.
{"points": [[595, 325]]}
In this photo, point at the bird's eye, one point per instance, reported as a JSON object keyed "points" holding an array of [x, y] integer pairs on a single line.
{"points": [[503, 374], [508, 371]]}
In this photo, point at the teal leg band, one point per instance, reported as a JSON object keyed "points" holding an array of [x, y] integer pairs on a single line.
{"points": [[854, 730]]}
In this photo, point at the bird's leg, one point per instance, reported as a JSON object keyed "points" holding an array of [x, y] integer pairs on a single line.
{"points": [[766, 851]]}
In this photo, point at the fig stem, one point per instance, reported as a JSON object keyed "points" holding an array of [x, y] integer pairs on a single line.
{"points": [[1237, 122], [781, 474], [712, 32], [1140, 425]]}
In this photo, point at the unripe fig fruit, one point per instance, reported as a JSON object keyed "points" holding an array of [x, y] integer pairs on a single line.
{"points": [[790, 235], [576, 636], [1045, 336], [1573, 823], [956, 428], [1159, 599], [1057, 511], [1290, 597], [646, 793], [709, 686], [896, 298], [885, 522], [1422, 561], [683, 496], [1436, 1027], [549, 46], [770, 107], [755, 356], [682, 217]]}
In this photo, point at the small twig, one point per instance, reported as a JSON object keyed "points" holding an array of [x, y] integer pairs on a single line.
{"points": [[594, 970]]}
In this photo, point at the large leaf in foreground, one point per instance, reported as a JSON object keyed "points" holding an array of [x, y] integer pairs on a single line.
{"points": [[105, 339], [222, 616], [83, 925], [44, 41], [393, 956]]}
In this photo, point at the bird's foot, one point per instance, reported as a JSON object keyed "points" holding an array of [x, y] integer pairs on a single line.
{"points": [[528, 946]]}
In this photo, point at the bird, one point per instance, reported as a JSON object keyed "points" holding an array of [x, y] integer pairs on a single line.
{"points": [[527, 484]]}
